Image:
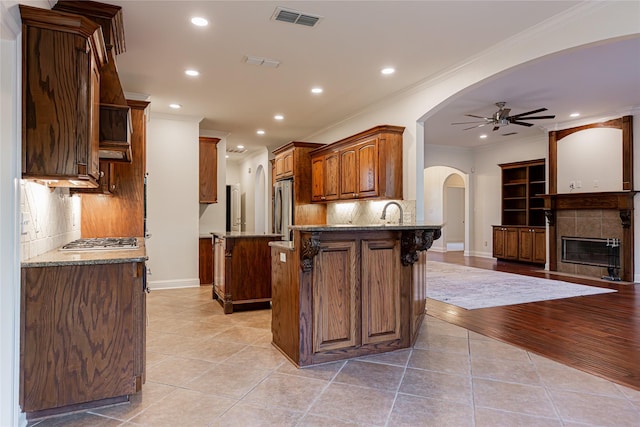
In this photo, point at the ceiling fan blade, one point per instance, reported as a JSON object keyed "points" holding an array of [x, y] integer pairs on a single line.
{"points": [[495, 128], [532, 118], [539, 110], [466, 123], [479, 126], [515, 122], [504, 113], [479, 117]]}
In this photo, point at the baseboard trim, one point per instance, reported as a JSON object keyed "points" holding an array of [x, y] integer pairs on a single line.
{"points": [[173, 284]]}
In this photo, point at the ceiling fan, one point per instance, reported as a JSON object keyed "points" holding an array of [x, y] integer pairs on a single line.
{"points": [[502, 118]]}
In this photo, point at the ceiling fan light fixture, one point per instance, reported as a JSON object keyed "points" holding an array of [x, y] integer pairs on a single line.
{"points": [[574, 115]]}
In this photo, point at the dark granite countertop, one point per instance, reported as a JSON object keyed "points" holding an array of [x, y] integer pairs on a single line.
{"points": [[366, 227], [241, 234], [57, 257]]}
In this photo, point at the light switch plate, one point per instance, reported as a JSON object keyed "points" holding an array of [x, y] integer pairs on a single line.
{"points": [[283, 257]]}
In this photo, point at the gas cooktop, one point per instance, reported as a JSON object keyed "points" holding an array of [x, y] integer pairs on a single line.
{"points": [[101, 243]]}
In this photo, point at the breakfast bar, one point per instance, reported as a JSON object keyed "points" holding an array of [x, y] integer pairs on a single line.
{"points": [[342, 291]]}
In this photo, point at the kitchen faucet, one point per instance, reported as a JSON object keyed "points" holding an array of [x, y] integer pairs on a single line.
{"points": [[384, 211]]}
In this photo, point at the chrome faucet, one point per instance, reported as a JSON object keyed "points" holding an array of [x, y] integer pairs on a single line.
{"points": [[384, 211]]}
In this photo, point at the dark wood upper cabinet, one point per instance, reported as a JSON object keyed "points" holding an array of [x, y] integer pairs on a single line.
{"points": [[62, 57], [208, 170]]}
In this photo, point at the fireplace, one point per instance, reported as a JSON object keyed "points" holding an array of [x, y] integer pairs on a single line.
{"points": [[580, 225]]}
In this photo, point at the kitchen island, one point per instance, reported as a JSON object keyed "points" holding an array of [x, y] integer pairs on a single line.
{"points": [[242, 269], [82, 329], [342, 291]]}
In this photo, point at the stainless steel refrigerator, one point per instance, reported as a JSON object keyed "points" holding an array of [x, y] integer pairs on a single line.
{"points": [[283, 208]]}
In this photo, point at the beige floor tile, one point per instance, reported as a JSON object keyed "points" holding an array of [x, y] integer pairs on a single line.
{"points": [[443, 328], [373, 375], [517, 371], [420, 411], [521, 398], [558, 376], [477, 336], [443, 343], [436, 385], [311, 420], [398, 357], [77, 420], [173, 344], [486, 417], [492, 349], [259, 357], [351, 403], [214, 351], [631, 394], [286, 391], [326, 371], [450, 363], [254, 416], [138, 402], [242, 335], [178, 371], [232, 381], [154, 358], [184, 408], [595, 410]]}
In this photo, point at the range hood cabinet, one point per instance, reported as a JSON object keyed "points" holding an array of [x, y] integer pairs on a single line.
{"points": [[115, 133]]}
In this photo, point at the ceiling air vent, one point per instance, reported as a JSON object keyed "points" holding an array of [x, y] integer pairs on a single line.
{"points": [[295, 17]]}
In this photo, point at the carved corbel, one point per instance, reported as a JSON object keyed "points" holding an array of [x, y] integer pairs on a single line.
{"points": [[413, 241], [308, 250], [625, 217], [551, 217]]}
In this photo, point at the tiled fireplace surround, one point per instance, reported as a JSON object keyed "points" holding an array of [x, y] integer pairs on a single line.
{"points": [[591, 215]]}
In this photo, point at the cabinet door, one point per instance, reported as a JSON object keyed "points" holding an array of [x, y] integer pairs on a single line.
{"points": [[279, 167], [331, 176], [539, 245], [367, 167], [208, 177], [511, 243], [284, 164], [288, 163], [525, 250], [317, 179], [380, 277], [348, 173], [93, 164], [335, 311], [219, 266], [205, 260], [499, 240]]}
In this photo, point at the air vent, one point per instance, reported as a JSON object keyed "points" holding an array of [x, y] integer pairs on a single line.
{"points": [[295, 17], [236, 150]]}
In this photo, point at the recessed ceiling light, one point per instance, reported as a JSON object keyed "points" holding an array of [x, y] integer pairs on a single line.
{"points": [[316, 90], [240, 147], [483, 136], [260, 132], [199, 21], [192, 73], [278, 117], [388, 70], [226, 156], [574, 115], [175, 106]]}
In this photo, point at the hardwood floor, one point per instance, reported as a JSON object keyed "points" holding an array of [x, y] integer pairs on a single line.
{"points": [[598, 334]]}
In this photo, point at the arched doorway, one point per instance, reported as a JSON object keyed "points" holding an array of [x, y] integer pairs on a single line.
{"points": [[454, 212], [260, 201]]}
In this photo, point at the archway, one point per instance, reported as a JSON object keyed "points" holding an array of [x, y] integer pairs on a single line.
{"points": [[260, 201]]}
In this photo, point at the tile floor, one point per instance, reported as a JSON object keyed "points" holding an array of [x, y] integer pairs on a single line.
{"points": [[205, 368]]}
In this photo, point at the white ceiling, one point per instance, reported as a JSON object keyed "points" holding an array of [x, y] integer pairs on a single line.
{"points": [[344, 54]]}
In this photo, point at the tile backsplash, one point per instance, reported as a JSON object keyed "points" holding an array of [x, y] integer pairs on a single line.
{"points": [[369, 212], [49, 218]]}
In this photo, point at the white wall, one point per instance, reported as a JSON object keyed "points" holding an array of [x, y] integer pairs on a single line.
{"points": [[247, 175], [213, 216], [172, 201]]}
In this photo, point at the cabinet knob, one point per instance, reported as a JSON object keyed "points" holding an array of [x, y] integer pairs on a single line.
{"points": [[323, 198]]}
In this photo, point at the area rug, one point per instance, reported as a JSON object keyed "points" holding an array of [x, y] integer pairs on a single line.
{"points": [[472, 288]]}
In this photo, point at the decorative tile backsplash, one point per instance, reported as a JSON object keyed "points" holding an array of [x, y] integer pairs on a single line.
{"points": [[369, 212], [49, 218]]}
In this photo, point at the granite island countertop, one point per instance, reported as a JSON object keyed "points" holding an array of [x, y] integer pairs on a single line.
{"points": [[241, 234], [57, 257], [367, 227]]}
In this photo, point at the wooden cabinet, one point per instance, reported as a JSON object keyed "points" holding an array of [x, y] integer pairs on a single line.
{"points": [[62, 57], [520, 243], [522, 235], [242, 271], [205, 260], [82, 335], [523, 184], [367, 165], [505, 242], [347, 293], [122, 214], [532, 244], [324, 177], [209, 170], [106, 181], [293, 161]]}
